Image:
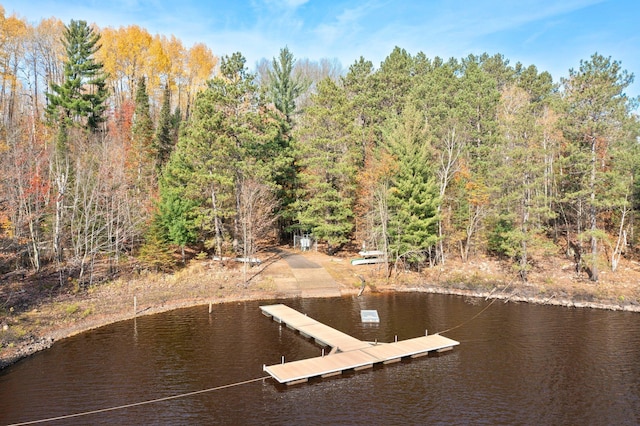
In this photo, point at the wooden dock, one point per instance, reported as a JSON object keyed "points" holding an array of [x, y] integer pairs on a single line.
{"points": [[347, 353]]}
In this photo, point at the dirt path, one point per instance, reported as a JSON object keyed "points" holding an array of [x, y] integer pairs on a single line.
{"points": [[309, 278]]}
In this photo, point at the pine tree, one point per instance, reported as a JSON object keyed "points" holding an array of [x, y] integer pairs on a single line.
{"points": [[358, 87], [438, 94], [328, 156], [284, 85], [165, 137], [413, 196], [392, 82], [81, 97], [521, 210], [175, 219], [155, 252], [480, 97], [596, 115], [227, 143], [141, 156]]}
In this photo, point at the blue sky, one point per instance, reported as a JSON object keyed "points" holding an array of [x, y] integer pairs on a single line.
{"points": [[554, 35]]}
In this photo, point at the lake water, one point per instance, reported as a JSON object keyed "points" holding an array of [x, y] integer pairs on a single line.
{"points": [[516, 364]]}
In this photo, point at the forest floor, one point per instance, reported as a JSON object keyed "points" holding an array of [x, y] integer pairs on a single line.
{"points": [[37, 310]]}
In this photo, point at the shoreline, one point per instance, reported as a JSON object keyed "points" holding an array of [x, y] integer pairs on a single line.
{"points": [[55, 334], [564, 302]]}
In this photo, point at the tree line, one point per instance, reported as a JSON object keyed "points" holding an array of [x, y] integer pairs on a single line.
{"points": [[118, 144]]}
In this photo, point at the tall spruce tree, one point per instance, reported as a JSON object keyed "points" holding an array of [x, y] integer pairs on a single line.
{"points": [[80, 99]]}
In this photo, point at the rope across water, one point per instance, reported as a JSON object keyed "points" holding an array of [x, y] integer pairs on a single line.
{"points": [[137, 404]]}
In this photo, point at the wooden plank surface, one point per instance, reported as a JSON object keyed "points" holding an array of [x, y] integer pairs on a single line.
{"points": [[309, 327], [352, 354], [283, 313], [410, 347], [319, 366]]}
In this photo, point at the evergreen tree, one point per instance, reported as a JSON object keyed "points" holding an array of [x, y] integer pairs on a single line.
{"points": [[393, 81], [361, 98], [284, 85], [521, 209], [413, 197], [438, 94], [480, 96], [328, 155], [596, 115], [166, 132], [176, 218], [358, 84], [83, 93], [155, 252], [227, 142], [141, 156]]}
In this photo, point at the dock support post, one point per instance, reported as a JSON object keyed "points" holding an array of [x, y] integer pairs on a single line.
{"points": [[135, 306], [426, 333], [283, 359], [210, 307], [396, 338]]}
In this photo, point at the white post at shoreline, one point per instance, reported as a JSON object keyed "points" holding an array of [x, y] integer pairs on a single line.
{"points": [[135, 306]]}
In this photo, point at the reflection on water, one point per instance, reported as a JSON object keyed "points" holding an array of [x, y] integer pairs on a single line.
{"points": [[516, 364]]}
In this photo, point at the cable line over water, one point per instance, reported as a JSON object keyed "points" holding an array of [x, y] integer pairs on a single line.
{"points": [[137, 404]]}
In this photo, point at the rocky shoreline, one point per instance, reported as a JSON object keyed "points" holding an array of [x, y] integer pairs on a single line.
{"points": [[553, 300], [33, 344]]}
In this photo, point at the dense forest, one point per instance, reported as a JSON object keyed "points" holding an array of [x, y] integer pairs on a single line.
{"points": [[119, 146]]}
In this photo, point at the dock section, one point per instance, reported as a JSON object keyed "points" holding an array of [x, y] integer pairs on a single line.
{"points": [[310, 328], [348, 353]]}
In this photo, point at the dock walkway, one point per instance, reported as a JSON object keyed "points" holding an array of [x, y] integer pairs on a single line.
{"points": [[348, 353]]}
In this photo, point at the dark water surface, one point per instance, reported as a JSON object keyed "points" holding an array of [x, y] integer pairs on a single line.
{"points": [[516, 364]]}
